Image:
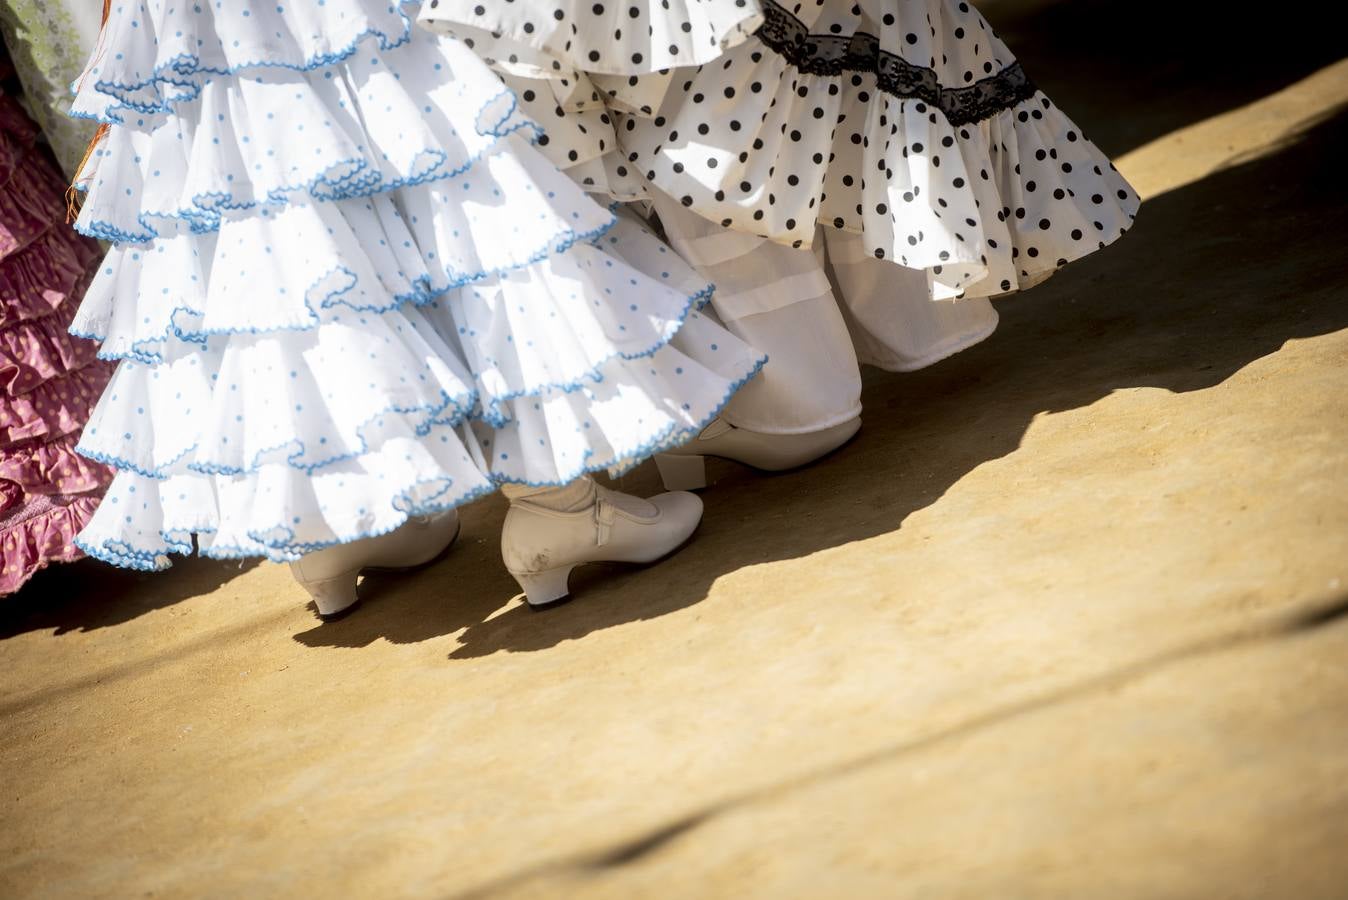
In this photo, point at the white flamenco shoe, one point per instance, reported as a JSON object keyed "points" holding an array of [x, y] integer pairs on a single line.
{"points": [[541, 545], [685, 469], [329, 575]]}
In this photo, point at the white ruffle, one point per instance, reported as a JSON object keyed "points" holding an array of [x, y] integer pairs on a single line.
{"points": [[631, 409], [155, 54], [302, 398], [233, 401], [371, 125], [510, 304], [634, 407], [280, 511], [280, 267]]}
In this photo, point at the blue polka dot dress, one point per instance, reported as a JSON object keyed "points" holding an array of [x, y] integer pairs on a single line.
{"points": [[346, 287]]}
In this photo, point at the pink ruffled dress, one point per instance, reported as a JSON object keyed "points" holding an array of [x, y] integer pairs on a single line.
{"points": [[49, 380]]}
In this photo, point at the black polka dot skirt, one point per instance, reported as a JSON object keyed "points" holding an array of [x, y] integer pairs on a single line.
{"points": [[631, 37], [906, 122]]}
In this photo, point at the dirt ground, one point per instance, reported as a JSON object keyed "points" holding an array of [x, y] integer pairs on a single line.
{"points": [[1066, 620]]}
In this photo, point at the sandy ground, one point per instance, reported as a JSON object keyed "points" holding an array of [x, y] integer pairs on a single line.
{"points": [[1066, 620]]}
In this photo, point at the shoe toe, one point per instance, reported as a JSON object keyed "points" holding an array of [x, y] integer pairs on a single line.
{"points": [[681, 512]]}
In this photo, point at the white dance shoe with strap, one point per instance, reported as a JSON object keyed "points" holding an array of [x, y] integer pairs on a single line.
{"points": [[550, 532]]}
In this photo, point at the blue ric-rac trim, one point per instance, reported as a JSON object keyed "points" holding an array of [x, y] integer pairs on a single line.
{"points": [[204, 219], [681, 436], [424, 416], [423, 292], [133, 354], [492, 412], [673, 436], [623, 461], [461, 408], [141, 351], [121, 554], [126, 465], [703, 297], [428, 507], [187, 65], [495, 129]]}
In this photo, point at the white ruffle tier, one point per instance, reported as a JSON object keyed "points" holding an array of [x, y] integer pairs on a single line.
{"points": [[908, 124], [369, 125], [416, 460], [296, 392], [153, 55], [303, 364], [278, 268]]}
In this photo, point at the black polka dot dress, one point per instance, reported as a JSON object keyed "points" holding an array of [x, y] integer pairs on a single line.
{"points": [[905, 122]]}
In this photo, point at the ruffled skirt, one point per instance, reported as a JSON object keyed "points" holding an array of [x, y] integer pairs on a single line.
{"points": [[49, 380], [346, 289]]}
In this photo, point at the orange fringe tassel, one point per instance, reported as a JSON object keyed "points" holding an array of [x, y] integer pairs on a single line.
{"points": [[73, 192]]}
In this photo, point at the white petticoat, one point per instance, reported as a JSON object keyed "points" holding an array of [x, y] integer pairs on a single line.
{"points": [[346, 289]]}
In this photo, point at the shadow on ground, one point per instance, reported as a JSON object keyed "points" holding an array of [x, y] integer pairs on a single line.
{"points": [[1331, 612], [88, 595]]}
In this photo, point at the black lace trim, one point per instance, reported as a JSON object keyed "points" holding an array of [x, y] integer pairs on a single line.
{"points": [[834, 54]]}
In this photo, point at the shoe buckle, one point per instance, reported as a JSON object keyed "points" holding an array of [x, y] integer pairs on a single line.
{"points": [[605, 514]]}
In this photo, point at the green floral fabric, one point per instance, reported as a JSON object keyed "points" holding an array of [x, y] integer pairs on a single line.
{"points": [[49, 42]]}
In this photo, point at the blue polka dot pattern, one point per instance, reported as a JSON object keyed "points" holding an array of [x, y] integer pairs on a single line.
{"points": [[333, 309]]}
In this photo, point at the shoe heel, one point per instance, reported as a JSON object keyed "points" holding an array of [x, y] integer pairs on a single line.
{"points": [[545, 588], [333, 597], [682, 473]]}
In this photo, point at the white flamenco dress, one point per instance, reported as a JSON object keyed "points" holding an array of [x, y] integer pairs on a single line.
{"points": [[895, 145], [345, 289]]}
